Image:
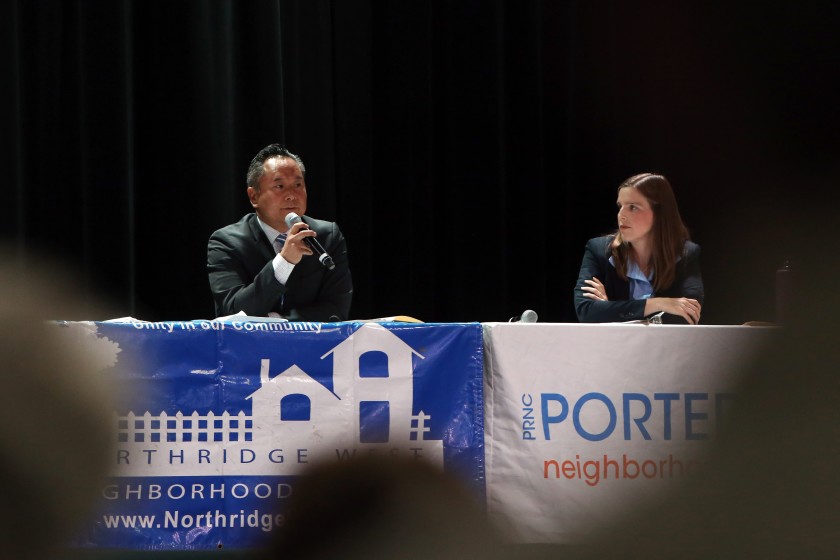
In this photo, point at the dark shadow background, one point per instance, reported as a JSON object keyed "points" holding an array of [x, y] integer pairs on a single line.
{"points": [[467, 149]]}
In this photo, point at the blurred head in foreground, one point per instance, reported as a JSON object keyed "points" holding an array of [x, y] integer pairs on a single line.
{"points": [[383, 507], [55, 413]]}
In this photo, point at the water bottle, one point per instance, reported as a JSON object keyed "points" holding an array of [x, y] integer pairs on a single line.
{"points": [[784, 287]]}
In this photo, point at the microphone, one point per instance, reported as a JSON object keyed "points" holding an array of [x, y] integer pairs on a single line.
{"points": [[326, 260], [528, 316]]}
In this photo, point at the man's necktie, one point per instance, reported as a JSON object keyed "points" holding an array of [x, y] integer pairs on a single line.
{"points": [[278, 246], [279, 241]]}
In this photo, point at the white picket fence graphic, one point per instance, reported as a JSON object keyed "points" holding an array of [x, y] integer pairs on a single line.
{"points": [[165, 428]]}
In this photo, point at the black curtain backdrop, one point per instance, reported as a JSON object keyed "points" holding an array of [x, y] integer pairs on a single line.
{"points": [[467, 149]]}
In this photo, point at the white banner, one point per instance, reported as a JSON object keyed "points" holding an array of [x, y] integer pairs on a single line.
{"points": [[584, 423]]}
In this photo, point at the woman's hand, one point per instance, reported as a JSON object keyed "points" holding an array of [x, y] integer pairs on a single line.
{"points": [[594, 290], [687, 308]]}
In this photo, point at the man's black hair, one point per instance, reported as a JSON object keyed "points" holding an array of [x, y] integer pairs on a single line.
{"points": [[255, 170]]}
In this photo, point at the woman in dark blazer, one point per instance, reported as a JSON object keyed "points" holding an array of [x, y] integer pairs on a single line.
{"points": [[649, 266]]}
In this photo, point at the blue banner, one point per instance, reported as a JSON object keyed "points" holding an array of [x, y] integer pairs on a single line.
{"points": [[224, 415]]}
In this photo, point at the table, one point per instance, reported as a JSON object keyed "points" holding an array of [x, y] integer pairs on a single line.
{"points": [[562, 427]]}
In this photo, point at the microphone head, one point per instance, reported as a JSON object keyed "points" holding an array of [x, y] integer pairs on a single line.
{"points": [[528, 316], [292, 219]]}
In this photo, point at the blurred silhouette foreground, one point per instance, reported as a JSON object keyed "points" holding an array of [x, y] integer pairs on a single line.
{"points": [[383, 507], [55, 413]]}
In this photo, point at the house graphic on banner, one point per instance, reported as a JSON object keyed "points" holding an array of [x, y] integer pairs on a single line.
{"points": [[293, 417], [371, 401]]}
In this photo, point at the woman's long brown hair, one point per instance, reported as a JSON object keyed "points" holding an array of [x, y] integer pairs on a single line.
{"points": [[669, 233]]}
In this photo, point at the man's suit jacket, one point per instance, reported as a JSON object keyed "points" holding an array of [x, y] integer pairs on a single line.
{"points": [[242, 276], [687, 283]]}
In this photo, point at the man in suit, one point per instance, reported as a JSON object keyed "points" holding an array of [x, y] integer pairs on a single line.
{"points": [[262, 267]]}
